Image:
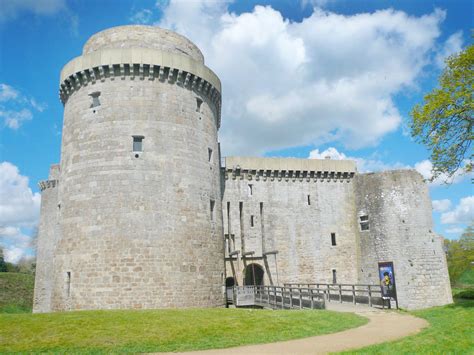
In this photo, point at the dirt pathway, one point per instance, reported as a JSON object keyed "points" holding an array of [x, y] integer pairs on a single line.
{"points": [[383, 326]]}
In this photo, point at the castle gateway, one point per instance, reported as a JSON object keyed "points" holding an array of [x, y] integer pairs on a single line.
{"points": [[140, 214]]}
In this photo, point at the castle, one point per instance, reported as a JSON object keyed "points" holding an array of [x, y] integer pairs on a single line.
{"points": [[140, 214]]}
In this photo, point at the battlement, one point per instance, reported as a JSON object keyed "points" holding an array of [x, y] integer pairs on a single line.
{"points": [[48, 184], [288, 169], [141, 63]]}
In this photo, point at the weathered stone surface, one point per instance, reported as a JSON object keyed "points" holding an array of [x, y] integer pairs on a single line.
{"points": [[162, 227]]}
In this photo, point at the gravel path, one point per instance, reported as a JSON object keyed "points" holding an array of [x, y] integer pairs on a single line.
{"points": [[383, 326]]}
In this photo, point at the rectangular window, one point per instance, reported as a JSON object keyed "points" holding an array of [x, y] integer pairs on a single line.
{"points": [[333, 238], [68, 283], [252, 221], [334, 278], [138, 143], [198, 104], [364, 222], [209, 153], [250, 189], [309, 200], [213, 203]]}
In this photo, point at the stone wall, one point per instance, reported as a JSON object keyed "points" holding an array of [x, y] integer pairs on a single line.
{"points": [[398, 206], [48, 234], [295, 205], [137, 229]]}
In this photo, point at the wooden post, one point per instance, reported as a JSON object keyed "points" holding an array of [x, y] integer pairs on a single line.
{"points": [[353, 294], [329, 294], [340, 293], [312, 298], [282, 299], [301, 299], [291, 297]]}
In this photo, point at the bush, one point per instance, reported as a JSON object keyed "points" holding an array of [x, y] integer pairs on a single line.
{"points": [[467, 294]]}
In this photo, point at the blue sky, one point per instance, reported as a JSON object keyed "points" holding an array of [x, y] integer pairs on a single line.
{"points": [[307, 78]]}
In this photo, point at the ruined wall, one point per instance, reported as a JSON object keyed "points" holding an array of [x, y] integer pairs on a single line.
{"points": [[48, 234], [137, 226], [398, 207], [295, 206]]}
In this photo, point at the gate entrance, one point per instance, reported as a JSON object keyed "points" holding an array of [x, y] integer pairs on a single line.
{"points": [[253, 275]]}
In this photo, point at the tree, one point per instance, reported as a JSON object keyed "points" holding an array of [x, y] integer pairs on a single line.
{"points": [[3, 264], [444, 122], [460, 254]]}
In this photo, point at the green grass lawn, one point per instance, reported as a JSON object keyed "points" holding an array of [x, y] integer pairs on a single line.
{"points": [[162, 330], [451, 331], [16, 292]]}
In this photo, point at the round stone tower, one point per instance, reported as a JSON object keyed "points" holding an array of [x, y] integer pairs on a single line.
{"points": [[139, 189]]}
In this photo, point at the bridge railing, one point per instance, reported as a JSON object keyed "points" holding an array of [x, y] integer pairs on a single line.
{"points": [[354, 293]]}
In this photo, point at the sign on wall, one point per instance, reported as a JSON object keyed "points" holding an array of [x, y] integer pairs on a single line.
{"points": [[387, 280]]}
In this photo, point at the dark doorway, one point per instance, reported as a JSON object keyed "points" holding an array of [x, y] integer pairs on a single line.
{"points": [[229, 282], [253, 275]]}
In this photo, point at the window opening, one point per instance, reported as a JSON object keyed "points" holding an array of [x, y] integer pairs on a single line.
{"points": [[68, 280], [95, 99], [209, 151], [212, 203], [252, 221], [333, 238], [138, 143], [198, 104], [334, 278], [364, 222], [250, 189], [309, 200]]}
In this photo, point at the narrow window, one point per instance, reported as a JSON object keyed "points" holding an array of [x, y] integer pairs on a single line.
{"points": [[198, 104], [309, 200], [250, 189], [364, 222], [95, 99], [213, 203], [333, 238], [138, 143], [68, 283], [334, 279], [251, 221], [209, 152]]}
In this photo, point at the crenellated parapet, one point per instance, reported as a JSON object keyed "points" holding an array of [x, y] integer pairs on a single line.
{"points": [[48, 184], [276, 169], [140, 64]]}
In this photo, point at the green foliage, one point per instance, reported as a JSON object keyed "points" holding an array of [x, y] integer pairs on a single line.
{"points": [[466, 294], [16, 292], [467, 277], [460, 255], [3, 264], [162, 330], [444, 122], [451, 331]]}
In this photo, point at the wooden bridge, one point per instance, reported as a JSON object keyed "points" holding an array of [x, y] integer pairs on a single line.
{"points": [[306, 296]]}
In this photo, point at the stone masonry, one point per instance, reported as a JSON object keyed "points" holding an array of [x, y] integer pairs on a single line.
{"points": [[140, 214]]}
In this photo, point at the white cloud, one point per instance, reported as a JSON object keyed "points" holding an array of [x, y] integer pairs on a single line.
{"points": [[364, 165], [14, 119], [16, 108], [327, 78], [143, 16], [454, 230], [7, 93], [452, 45], [19, 206], [425, 168], [9, 9], [441, 205], [462, 213]]}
